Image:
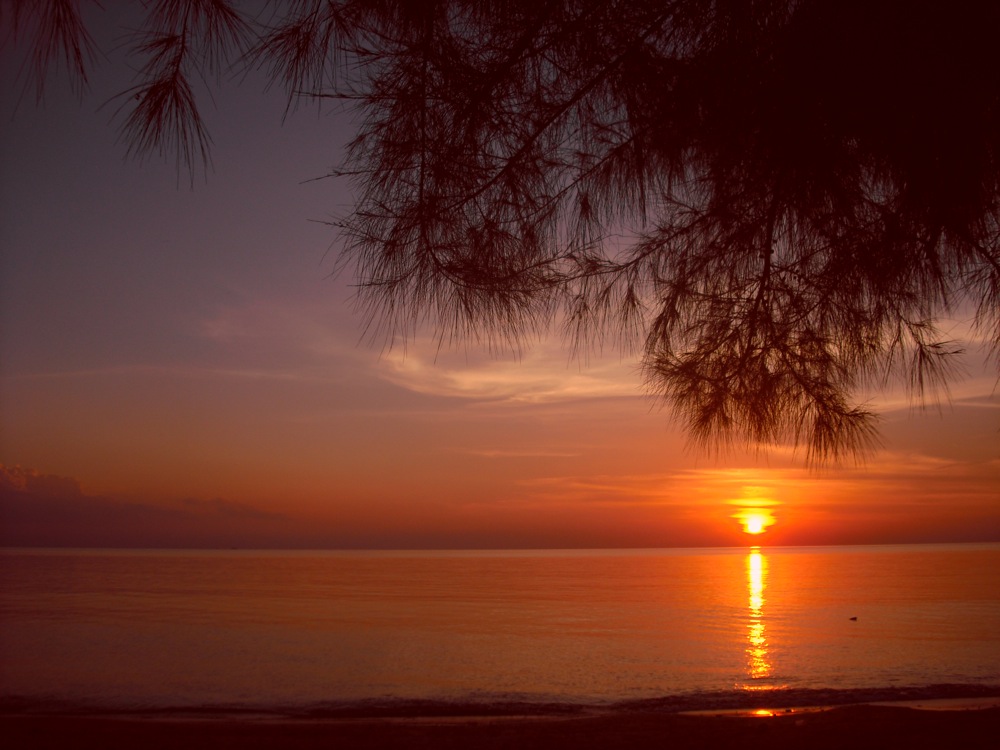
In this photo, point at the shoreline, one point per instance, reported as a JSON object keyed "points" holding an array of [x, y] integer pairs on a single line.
{"points": [[857, 726], [941, 696], [928, 704], [915, 718]]}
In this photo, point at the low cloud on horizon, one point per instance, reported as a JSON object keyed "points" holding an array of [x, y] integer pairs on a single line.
{"points": [[47, 510]]}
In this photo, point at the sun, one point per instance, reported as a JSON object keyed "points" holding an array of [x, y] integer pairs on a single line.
{"points": [[753, 525], [755, 520]]}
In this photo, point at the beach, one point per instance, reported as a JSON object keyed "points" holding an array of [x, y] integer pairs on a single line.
{"points": [[856, 727]]}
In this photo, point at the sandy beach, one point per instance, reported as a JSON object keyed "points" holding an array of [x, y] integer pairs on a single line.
{"points": [[856, 727]]}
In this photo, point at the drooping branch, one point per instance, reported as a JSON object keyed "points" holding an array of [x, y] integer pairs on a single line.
{"points": [[774, 203], [56, 34]]}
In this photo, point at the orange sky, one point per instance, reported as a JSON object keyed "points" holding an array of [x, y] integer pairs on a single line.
{"points": [[184, 356]]}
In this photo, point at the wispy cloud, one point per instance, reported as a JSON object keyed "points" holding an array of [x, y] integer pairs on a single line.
{"points": [[189, 371], [518, 453], [895, 479], [542, 375], [625, 489]]}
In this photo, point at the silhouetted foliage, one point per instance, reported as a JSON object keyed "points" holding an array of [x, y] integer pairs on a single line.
{"points": [[771, 201]]}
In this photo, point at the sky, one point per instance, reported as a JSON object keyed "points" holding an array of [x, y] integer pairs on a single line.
{"points": [[180, 367]]}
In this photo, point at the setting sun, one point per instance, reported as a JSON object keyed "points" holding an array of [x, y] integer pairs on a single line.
{"points": [[755, 520], [754, 525]]}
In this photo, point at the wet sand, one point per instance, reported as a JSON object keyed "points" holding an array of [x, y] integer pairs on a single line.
{"points": [[855, 727]]}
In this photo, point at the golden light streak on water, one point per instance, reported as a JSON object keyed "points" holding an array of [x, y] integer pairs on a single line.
{"points": [[758, 665]]}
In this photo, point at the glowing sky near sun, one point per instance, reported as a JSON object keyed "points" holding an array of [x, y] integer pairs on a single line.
{"points": [[183, 358]]}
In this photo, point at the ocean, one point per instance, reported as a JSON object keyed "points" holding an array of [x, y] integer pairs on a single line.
{"points": [[319, 630]]}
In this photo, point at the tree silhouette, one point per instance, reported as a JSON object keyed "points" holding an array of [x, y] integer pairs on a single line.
{"points": [[772, 202]]}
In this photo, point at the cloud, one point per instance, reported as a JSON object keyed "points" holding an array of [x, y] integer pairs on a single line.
{"points": [[219, 508], [192, 371], [44, 510], [32, 482], [654, 489], [542, 375], [294, 341], [902, 498], [519, 453], [300, 325]]}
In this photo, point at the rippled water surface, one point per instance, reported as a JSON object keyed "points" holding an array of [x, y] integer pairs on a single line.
{"points": [[158, 628]]}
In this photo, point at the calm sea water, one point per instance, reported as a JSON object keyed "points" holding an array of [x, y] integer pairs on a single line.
{"points": [[179, 628]]}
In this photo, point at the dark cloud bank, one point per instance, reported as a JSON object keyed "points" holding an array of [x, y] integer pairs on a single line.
{"points": [[44, 510]]}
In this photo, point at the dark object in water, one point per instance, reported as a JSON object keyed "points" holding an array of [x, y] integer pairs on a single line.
{"points": [[854, 619]]}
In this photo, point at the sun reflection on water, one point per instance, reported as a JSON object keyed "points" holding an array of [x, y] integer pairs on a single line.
{"points": [[758, 665]]}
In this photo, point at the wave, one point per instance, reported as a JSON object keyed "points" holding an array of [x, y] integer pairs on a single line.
{"points": [[487, 705]]}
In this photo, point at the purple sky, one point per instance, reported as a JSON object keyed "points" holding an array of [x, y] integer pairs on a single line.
{"points": [[181, 352]]}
